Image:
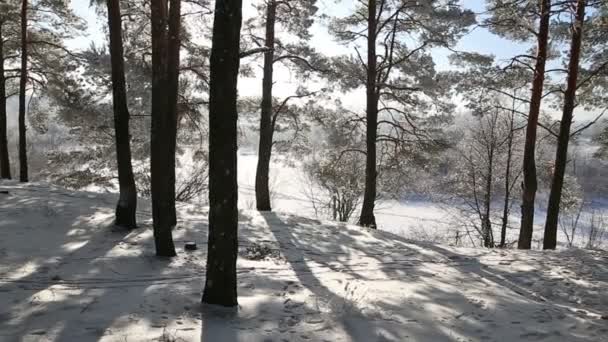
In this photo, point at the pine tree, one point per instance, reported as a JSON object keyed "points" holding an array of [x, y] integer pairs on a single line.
{"points": [[5, 168], [220, 283], [33, 51], [23, 174], [530, 183], [294, 17], [525, 21], [91, 106], [584, 86], [127, 203], [165, 73], [395, 72]]}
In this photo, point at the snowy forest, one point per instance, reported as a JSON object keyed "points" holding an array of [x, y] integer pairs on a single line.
{"points": [[303, 170]]}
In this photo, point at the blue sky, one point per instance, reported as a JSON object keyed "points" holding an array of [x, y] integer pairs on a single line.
{"points": [[479, 40], [483, 41]]}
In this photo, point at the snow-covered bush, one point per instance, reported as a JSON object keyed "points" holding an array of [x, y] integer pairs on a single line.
{"points": [[334, 173]]}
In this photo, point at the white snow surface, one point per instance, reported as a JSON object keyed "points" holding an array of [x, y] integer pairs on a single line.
{"points": [[415, 219], [67, 274]]}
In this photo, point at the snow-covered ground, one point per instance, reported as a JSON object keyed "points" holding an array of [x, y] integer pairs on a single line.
{"points": [[66, 274], [415, 219], [288, 191]]}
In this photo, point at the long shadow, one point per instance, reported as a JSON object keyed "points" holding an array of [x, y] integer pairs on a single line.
{"points": [[517, 292], [341, 251], [474, 266], [300, 254], [68, 275], [313, 252], [521, 282], [41, 253], [71, 277], [233, 325], [75, 275]]}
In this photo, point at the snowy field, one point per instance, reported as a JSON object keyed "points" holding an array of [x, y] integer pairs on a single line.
{"points": [[414, 219], [288, 191], [68, 275]]}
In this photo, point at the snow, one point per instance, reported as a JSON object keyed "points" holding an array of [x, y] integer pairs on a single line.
{"points": [[288, 188], [68, 275], [414, 219]]}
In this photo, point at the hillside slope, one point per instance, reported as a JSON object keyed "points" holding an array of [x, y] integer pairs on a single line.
{"points": [[66, 274]]}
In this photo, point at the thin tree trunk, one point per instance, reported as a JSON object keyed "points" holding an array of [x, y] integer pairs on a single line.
{"points": [[262, 191], [160, 154], [529, 163], [507, 201], [488, 240], [23, 174], [127, 202], [334, 207], [367, 217], [5, 167], [220, 284], [561, 155]]}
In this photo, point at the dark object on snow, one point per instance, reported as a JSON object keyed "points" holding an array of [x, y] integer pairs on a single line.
{"points": [[605, 317], [4, 192], [261, 252], [190, 246]]}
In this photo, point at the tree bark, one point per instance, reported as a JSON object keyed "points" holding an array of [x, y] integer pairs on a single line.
{"points": [[23, 174], [127, 203], [5, 167], [529, 164], [561, 155], [367, 218], [163, 201], [262, 191], [488, 239], [220, 284], [173, 86], [507, 200]]}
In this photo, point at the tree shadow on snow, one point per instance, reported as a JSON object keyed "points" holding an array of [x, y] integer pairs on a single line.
{"points": [[72, 275], [435, 308], [69, 275], [319, 253]]}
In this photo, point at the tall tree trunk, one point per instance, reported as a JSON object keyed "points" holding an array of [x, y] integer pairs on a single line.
{"points": [[173, 61], [160, 154], [262, 191], [529, 163], [220, 284], [507, 200], [561, 155], [367, 217], [5, 167], [488, 239], [22, 84], [127, 202]]}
